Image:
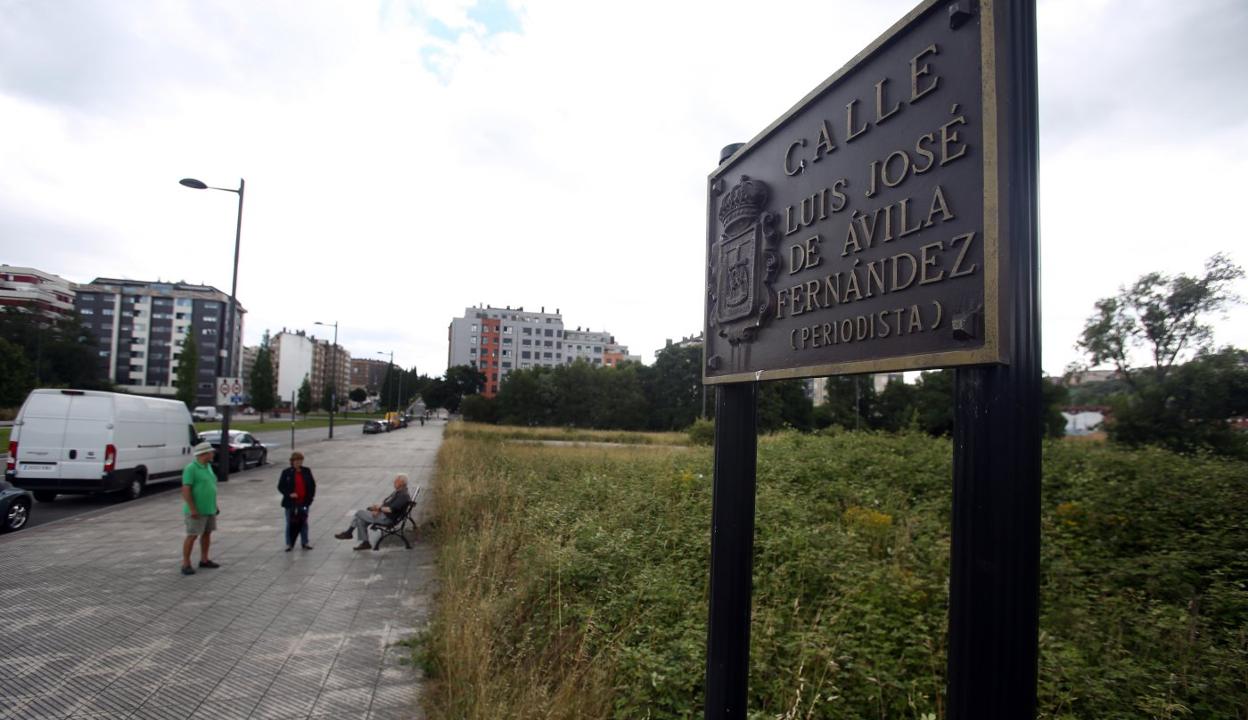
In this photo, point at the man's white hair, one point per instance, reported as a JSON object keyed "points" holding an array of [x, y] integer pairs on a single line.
{"points": [[401, 477]]}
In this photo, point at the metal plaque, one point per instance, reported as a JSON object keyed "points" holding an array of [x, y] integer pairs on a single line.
{"points": [[860, 232]]}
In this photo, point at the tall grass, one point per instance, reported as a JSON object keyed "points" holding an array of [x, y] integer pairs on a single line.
{"points": [[566, 434], [574, 581]]}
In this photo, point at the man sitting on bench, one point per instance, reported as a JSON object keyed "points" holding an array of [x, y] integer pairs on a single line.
{"points": [[383, 513]]}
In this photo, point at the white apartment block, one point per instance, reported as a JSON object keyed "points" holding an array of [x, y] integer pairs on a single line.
{"points": [[499, 340], [44, 293]]}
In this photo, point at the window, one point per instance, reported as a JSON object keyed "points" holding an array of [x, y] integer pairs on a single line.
{"points": [[472, 351], [473, 328], [527, 331], [597, 348], [506, 341], [506, 364], [559, 346], [506, 353], [209, 331], [106, 311], [506, 329], [526, 341], [86, 296], [182, 302], [136, 368], [545, 354], [210, 318], [140, 327], [548, 343], [86, 311], [549, 332], [525, 354], [558, 333], [472, 340], [104, 353]]}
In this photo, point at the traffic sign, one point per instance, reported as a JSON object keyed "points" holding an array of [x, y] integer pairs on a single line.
{"points": [[230, 391]]}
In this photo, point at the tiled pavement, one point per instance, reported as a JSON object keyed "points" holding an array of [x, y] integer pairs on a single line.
{"points": [[97, 622]]}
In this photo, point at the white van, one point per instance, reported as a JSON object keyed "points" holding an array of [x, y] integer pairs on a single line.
{"points": [[86, 441]]}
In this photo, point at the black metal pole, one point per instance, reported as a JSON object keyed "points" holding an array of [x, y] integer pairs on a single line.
{"points": [[732, 551], [224, 461], [732, 545], [994, 585], [333, 388]]}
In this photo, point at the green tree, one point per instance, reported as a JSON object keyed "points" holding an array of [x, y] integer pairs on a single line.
{"points": [[1055, 396], [783, 403], [673, 388], [263, 395], [329, 397], [848, 402], [358, 395], [187, 379], [17, 379], [1188, 411], [59, 351], [933, 402], [304, 402], [478, 408], [1162, 316]]}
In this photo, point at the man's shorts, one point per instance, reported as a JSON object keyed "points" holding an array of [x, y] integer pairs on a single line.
{"points": [[202, 524]]}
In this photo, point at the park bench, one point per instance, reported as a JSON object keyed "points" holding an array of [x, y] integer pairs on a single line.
{"points": [[399, 524]]}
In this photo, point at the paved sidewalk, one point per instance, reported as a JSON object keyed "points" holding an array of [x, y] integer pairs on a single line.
{"points": [[97, 622]]}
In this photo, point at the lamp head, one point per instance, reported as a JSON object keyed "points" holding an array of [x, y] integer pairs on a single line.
{"points": [[193, 183]]}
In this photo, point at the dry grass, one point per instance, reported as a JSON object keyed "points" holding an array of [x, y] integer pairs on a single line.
{"points": [[486, 656], [538, 434]]}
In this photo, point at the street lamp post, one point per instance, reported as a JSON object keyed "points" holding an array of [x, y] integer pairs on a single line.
{"points": [[333, 393], [383, 352], [224, 461]]}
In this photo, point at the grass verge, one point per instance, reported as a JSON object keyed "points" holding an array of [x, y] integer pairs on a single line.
{"points": [[573, 581]]}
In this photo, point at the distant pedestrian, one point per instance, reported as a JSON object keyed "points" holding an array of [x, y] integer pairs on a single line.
{"points": [[199, 509], [298, 489], [382, 513]]}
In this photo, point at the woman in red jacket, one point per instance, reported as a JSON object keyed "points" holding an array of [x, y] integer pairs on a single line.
{"points": [[298, 489]]}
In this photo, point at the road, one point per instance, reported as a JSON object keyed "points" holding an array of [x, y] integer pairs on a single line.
{"points": [[278, 441]]}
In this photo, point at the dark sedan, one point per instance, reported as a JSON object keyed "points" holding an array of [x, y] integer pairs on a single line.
{"points": [[14, 507], [245, 450]]}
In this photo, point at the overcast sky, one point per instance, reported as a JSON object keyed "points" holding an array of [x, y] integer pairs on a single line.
{"points": [[405, 160]]}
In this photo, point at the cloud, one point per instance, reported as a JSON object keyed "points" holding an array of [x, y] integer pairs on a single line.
{"points": [[405, 160]]}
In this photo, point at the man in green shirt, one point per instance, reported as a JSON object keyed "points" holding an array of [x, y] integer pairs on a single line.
{"points": [[199, 491]]}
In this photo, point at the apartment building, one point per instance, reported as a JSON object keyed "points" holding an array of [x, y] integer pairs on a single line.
{"points": [[140, 328], [36, 290], [368, 373], [499, 340], [296, 355]]}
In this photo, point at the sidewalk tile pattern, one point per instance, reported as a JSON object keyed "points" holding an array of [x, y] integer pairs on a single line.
{"points": [[99, 624]]}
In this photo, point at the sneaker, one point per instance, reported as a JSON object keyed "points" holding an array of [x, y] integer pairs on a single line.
{"points": [[307, 547], [344, 535], [208, 564], [188, 570], [363, 546], [289, 548]]}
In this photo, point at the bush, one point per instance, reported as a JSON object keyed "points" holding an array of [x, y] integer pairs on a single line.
{"points": [[478, 408], [702, 432]]}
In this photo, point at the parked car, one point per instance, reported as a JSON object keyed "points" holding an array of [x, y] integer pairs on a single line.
{"points": [[88, 441], [205, 413], [374, 426], [245, 449], [15, 506]]}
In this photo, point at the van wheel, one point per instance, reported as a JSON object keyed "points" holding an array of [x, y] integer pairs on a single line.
{"points": [[45, 495], [134, 490]]}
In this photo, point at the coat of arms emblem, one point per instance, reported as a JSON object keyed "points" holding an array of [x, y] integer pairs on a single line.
{"points": [[743, 262]]}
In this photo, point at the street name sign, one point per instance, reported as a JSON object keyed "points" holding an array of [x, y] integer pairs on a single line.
{"points": [[860, 232]]}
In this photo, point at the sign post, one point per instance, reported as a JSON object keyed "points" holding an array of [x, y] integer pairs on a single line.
{"points": [[888, 222]]}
